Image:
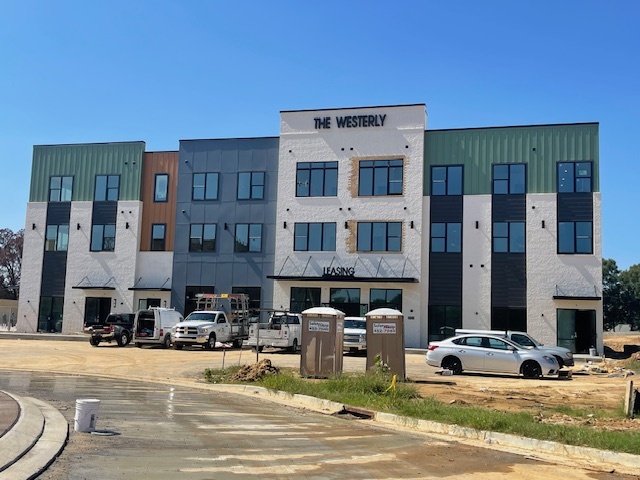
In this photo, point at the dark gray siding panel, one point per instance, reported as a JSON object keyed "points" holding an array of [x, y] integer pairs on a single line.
{"points": [[509, 208], [54, 271], [58, 213], [446, 208], [104, 213], [575, 207], [445, 279], [508, 280], [224, 268]]}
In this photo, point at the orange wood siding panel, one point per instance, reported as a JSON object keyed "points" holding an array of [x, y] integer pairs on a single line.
{"points": [[158, 212]]}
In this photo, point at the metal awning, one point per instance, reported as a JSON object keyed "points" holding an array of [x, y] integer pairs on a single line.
{"points": [[565, 294], [333, 278], [85, 284], [161, 288]]}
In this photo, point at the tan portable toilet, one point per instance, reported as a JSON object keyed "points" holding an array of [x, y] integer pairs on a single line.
{"points": [[321, 342], [385, 337]]}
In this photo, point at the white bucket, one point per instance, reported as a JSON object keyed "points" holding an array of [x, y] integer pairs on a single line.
{"points": [[592, 352], [86, 414]]}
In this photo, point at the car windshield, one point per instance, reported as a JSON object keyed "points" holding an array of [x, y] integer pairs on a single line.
{"points": [[355, 324], [200, 316]]}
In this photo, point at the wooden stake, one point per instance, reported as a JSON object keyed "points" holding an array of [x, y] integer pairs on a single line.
{"points": [[629, 400]]}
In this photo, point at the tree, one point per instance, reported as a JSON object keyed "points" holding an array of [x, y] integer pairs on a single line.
{"points": [[10, 262], [630, 294], [613, 309]]}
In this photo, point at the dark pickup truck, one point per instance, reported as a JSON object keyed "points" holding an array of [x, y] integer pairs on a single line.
{"points": [[117, 326]]}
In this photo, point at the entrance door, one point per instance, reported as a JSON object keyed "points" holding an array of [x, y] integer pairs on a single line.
{"points": [[576, 329], [96, 310], [347, 300]]}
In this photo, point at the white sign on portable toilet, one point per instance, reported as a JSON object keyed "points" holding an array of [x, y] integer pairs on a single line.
{"points": [[86, 414]]}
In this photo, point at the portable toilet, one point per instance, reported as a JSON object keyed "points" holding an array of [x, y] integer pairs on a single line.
{"points": [[321, 342]]}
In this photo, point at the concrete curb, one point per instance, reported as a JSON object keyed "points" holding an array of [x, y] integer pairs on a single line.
{"points": [[22, 436], [46, 449], [34, 441], [609, 460]]}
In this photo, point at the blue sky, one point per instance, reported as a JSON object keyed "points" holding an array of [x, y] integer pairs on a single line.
{"points": [[160, 71]]}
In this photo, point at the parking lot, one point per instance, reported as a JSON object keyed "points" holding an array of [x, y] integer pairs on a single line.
{"points": [[585, 390]]}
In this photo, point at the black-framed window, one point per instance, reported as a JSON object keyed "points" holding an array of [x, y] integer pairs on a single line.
{"points": [[202, 237], [205, 186], [385, 298], [446, 237], [303, 298], [248, 237], [103, 238], [158, 237], [107, 188], [379, 236], [60, 189], [250, 185], [443, 321], [380, 177], [575, 177], [57, 238], [446, 180], [509, 179], [509, 237], [161, 187], [575, 237], [317, 179], [314, 237]]}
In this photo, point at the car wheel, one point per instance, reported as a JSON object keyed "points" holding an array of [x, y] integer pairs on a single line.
{"points": [[531, 369], [177, 346], [124, 339], [211, 342], [94, 341], [237, 343], [257, 349], [294, 346], [560, 361], [167, 341], [138, 344], [452, 363]]}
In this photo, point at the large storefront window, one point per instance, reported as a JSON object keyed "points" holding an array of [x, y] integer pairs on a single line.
{"points": [[385, 298], [254, 298], [190, 298], [347, 300], [50, 318], [443, 321], [509, 318], [303, 298]]}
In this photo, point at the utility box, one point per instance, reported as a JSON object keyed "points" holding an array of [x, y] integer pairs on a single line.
{"points": [[321, 341], [385, 339]]}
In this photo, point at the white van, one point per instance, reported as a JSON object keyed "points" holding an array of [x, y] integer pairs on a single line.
{"points": [[153, 326]]}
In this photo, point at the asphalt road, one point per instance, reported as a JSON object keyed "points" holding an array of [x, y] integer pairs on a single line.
{"points": [[160, 431]]}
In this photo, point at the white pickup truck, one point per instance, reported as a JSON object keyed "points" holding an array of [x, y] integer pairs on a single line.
{"points": [[283, 330], [218, 318]]}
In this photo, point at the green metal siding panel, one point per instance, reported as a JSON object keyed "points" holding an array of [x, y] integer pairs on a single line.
{"points": [[540, 147], [84, 162]]}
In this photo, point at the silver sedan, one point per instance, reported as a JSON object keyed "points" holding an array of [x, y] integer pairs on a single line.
{"points": [[489, 353]]}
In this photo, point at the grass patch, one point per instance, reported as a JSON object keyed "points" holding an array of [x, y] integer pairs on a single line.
{"points": [[372, 390], [634, 365]]}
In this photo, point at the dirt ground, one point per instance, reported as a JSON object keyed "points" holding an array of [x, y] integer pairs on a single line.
{"points": [[599, 387]]}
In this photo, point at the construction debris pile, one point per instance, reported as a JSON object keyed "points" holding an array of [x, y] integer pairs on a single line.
{"points": [[253, 373]]}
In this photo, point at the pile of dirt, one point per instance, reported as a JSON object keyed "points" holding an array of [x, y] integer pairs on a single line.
{"points": [[252, 373]]}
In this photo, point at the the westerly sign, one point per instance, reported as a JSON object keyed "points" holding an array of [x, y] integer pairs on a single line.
{"points": [[351, 121]]}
